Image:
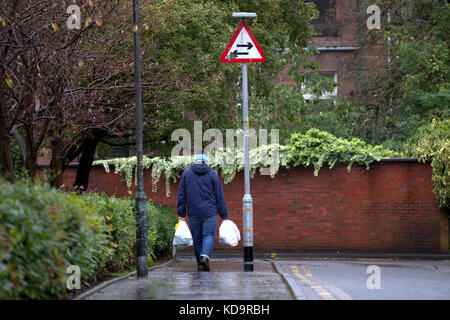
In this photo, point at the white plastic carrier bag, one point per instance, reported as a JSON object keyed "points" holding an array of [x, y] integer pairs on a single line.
{"points": [[229, 235], [183, 237]]}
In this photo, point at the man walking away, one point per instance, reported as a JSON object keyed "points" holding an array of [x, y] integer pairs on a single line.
{"points": [[201, 192]]}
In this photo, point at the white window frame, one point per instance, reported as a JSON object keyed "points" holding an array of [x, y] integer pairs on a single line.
{"points": [[325, 95]]}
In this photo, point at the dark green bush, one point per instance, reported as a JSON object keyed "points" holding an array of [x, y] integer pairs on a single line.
{"points": [[161, 222], [118, 218], [43, 231]]}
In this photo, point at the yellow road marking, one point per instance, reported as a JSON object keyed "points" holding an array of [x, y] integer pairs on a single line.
{"points": [[324, 294], [307, 271], [294, 269]]}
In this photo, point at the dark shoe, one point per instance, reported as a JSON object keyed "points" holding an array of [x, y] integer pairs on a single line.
{"points": [[205, 263], [199, 268]]}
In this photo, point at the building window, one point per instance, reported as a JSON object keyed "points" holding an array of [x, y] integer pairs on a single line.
{"points": [[325, 24], [327, 11], [325, 94]]}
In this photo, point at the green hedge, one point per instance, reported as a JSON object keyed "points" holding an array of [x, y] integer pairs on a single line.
{"points": [[161, 222], [43, 231]]}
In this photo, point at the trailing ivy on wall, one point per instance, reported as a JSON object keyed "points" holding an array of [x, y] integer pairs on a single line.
{"points": [[432, 143], [227, 162], [312, 149], [316, 148]]}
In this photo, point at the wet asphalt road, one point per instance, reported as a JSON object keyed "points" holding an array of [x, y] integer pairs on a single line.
{"points": [[289, 279], [368, 279]]}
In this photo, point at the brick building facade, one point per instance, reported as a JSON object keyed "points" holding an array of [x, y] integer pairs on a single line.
{"points": [[341, 38]]}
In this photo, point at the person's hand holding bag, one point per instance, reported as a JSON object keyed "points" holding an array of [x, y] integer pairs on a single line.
{"points": [[229, 235], [183, 237]]}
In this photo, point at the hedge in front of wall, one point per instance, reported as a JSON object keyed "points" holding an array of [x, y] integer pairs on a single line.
{"points": [[43, 231]]}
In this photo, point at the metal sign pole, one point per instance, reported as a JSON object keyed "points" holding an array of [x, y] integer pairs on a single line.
{"points": [[247, 202], [244, 48], [140, 199]]}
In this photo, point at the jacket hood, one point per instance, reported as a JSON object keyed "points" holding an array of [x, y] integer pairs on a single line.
{"points": [[200, 168]]}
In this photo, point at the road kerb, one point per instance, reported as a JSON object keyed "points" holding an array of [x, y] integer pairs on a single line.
{"points": [[296, 291]]}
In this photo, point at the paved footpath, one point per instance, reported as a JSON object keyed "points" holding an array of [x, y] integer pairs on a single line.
{"points": [[180, 280], [287, 279]]}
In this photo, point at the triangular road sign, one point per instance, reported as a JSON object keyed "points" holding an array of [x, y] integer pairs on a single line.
{"points": [[243, 47]]}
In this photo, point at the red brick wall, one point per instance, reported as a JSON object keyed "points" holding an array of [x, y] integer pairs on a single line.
{"points": [[390, 208]]}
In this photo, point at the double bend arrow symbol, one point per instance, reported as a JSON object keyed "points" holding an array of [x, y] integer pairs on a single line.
{"points": [[249, 45]]}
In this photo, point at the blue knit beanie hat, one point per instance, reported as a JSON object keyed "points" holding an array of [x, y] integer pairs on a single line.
{"points": [[201, 156]]}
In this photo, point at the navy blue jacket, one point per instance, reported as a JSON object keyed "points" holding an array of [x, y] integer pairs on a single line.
{"points": [[201, 191]]}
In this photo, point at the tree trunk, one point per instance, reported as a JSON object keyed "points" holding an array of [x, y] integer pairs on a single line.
{"points": [[87, 157], [32, 139], [6, 162], [56, 164], [30, 164]]}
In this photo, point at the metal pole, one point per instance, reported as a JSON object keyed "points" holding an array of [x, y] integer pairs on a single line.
{"points": [[141, 199], [247, 202]]}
